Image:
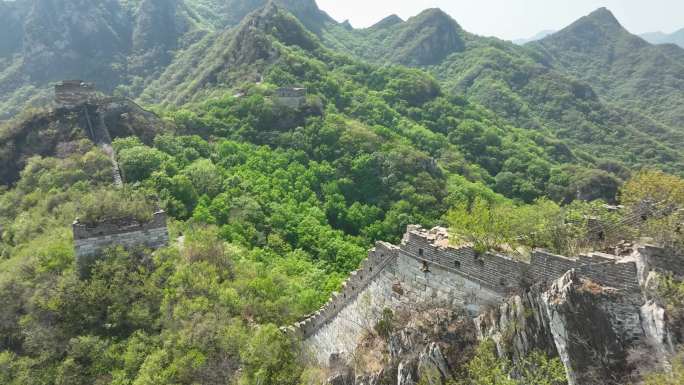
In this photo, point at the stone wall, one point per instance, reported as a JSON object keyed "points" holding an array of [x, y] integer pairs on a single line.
{"points": [[425, 269], [89, 241], [341, 333], [71, 93], [660, 259], [290, 97], [376, 262]]}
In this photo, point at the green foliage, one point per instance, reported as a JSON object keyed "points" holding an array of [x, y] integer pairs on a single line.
{"points": [[139, 162], [652, 187], [537, 368], [269, 358], [486, 368], [671, 290], [385, 325], [112, 204], [675, 377], [274, 206], [485, 225]]}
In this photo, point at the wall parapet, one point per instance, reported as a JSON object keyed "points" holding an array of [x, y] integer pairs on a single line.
{"points": [[378, 258], [497, 273], [72, 93], [90, 241], [503, 273], [115, 227]]}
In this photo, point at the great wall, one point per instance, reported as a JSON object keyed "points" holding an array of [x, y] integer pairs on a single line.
{"points": [[426, 268], [90, 241], [536, 303]]}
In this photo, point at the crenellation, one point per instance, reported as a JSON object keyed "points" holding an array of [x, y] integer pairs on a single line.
{"points": [[426, 268]]}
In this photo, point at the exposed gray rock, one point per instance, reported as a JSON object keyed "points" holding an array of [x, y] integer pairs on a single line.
{"points": [[407, 372], [432, 366], [653, 321]]}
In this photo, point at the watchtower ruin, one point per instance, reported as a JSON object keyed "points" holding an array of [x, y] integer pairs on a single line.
{"points": [[292, 97], [73, 93], [91, 240]]}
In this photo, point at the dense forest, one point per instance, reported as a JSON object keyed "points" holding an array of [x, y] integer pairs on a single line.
{"points": [[270, 206]]}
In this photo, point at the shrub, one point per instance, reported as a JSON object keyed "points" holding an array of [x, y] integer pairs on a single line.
{"points": [[109, 204]]}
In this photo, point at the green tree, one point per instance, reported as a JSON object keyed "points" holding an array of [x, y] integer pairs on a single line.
{"points": [[270, 358], [138, 163], [486, 368]]}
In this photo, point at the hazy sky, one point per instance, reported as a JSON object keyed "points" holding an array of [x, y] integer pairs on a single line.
{"points": [[511, 19]]}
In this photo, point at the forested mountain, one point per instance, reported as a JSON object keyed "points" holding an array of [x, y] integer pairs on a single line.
{"points": [[120, 44], [270, 204], [621, 67], [676, 37], [529, 88]]}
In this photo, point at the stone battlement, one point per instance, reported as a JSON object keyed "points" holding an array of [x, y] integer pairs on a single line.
{"points": [[358, 280], [426, 268], [116, 227], [503, 273], [89, 241]]}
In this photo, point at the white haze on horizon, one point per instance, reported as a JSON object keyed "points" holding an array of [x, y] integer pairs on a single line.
{"points": [[515, 19]]}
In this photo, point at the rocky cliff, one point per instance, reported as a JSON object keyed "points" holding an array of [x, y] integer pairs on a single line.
{"points": [[602, 335], [428, 346], [597, 316], [50, 133]]}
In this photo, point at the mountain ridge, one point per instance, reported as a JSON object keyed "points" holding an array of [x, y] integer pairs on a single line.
{"points": [[676, 37], [623, 67]]}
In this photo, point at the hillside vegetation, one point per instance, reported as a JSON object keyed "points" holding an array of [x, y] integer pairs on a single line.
{"points": [[636, 122], [271, 207]]}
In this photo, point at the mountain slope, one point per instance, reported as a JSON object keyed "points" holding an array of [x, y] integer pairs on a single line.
{"points": [[523, 85], [117, 44], [226, 59], [272, 48], [110, 42], [12, 15], [421, 40], [622, 67], [676, 38]]}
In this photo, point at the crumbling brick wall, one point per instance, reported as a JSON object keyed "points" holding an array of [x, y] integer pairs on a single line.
{"points": [[426, 269], [90, 241]]}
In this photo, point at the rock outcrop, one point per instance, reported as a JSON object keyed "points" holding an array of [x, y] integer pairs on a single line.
{"points": [[43, 133], [426, 348], [602, 335]]}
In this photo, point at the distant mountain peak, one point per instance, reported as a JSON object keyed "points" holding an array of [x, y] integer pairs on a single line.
{"points": [[435, 14], [388, 22], [604, 16], [538, 36], [592, 32], [428, 38], [676, 37]]}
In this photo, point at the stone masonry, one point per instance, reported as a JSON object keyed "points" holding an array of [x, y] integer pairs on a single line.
{"points": [[425, 268], [290, 97], [90, 241], [72, 93]]}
